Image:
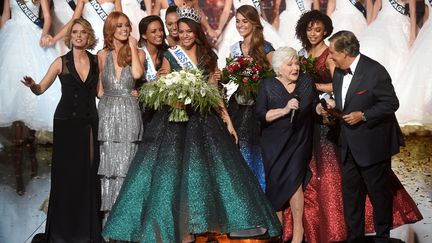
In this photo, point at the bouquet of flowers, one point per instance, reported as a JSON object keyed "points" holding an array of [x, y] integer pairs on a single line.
{"points": [[307, 64], [243, 73], [178, 90]]}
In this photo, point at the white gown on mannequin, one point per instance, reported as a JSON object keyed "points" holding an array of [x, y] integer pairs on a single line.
{"points": [[61, 15], [89, 13], [288, 22], [386, 40], [132, 9], [21, 55], [231, 36], [414, 84], [347, 17]]}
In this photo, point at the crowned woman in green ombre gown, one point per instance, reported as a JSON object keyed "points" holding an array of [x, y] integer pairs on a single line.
{"points": [[189, 177]]}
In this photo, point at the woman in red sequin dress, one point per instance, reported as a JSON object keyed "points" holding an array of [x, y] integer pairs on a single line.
{"points": [[323, 205]]}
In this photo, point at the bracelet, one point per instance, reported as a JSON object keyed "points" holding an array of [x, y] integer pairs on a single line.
{"points": [[363, 117]]}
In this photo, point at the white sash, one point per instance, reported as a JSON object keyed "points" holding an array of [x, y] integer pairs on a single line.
{"points": [[300, 5], [182, 58], [151, 70], [256, 3], [35, 19], [399, 7], [235, 50], [99, 10]]}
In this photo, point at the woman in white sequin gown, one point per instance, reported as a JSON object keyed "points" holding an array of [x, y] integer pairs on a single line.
{"points": [[414, 84], [345, 16], [85, 9], [287, 20], [230, 35], [21, 54], [387, 39]]}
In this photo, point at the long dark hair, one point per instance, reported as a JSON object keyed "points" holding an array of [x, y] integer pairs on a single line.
{"points": [[143, 25], [256, 49], [205, 55], [306, 19]]}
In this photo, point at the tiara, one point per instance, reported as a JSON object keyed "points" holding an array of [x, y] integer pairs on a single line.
{"points": [[189, 13]]}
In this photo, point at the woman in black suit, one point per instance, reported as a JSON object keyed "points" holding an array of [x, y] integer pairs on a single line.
{"points": [[73, 212]]}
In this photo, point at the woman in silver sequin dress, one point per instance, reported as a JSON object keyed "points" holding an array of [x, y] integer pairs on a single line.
{"points": [[120, 125]]}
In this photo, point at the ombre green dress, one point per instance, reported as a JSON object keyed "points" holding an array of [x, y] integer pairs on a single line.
{"points": [[188, 177]]}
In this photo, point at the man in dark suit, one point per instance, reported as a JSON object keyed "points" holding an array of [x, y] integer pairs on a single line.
{"points": [[369, 135]]}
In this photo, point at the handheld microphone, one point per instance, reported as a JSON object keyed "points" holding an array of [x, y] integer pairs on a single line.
{"points": [[297, 97]]}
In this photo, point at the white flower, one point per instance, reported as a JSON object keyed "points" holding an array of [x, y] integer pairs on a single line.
{"points": [[187, 101], [181, 95], [202, 91]]}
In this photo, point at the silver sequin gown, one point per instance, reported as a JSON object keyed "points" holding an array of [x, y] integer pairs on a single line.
{"points": [[120, 130]]}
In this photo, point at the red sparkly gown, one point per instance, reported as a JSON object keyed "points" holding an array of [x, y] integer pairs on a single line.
{"points": [[323, 218]]}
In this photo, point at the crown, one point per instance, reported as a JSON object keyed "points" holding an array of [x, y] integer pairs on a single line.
{"points": [[189, 13]]}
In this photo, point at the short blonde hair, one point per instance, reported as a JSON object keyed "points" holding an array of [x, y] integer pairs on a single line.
{"points": [[87, 27], [280, 55]]}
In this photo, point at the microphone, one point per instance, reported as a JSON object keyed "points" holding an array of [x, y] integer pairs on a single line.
{"points": [[297, 97]]}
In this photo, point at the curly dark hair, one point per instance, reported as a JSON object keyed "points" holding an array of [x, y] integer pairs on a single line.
{"points": [[306, 19]]}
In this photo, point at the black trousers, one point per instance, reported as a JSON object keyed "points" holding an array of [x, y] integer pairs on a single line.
{"points": [[357, 182]]}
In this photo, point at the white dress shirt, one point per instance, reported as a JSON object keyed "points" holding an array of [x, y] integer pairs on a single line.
{"points": [[347, 79]]}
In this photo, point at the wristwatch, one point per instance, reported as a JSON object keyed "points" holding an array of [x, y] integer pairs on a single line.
{"points": [[363, 117]]}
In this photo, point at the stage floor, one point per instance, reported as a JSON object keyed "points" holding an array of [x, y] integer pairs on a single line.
{"points": [[24, 186]]}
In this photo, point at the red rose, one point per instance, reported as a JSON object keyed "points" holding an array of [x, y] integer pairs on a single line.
{"points": [[245, 80], [255, 77]]}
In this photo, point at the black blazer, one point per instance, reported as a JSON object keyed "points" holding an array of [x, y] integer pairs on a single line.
{"points": [[372, 92]]}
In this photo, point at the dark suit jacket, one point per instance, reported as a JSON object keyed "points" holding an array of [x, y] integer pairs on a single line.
{"points": [[372, 92]]}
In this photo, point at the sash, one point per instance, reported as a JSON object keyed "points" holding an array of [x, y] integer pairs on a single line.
{"points": [[235, 50], [302, 53], [33, 18], [256, 3], [182, 58], [71, 4], [142, 5], [300, 5], [359, 6], [151, 70], [99, 10], [399, 7]]}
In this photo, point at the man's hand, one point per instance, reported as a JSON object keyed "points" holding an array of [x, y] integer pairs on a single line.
{"points": [[353, 117]]}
